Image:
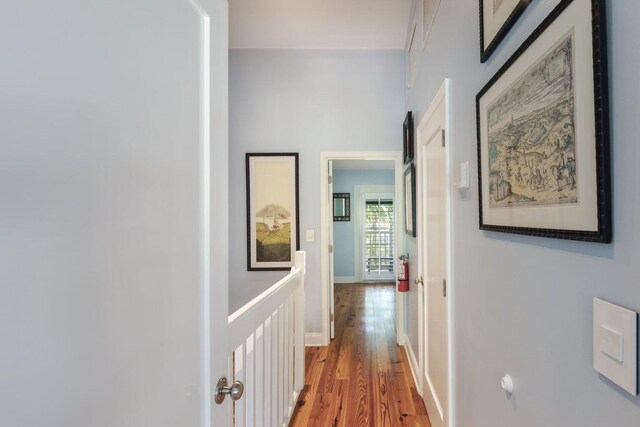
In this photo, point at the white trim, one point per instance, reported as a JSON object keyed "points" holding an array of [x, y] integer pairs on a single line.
{"points": [[411, 49], [427, 31], [443, 96], [413, 363], [313, 339], [358, 217], [345, 279], [325, 223]]}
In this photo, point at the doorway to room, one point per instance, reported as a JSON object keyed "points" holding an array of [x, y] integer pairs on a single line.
{"points": [[360, 247]]}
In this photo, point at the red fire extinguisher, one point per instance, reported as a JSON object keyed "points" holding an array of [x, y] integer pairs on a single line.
{"points": [[403, 273]]}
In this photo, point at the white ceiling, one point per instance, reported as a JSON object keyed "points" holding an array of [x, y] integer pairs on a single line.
{"points": [[319, 24]]}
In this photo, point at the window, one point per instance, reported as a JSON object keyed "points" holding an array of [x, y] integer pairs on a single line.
{"points": [[378, 238]]}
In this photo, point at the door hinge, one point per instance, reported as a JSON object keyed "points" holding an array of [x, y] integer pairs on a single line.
{"points": [[331, 317], [330, 249], [330, 179], [444, 288], [443, 138]]}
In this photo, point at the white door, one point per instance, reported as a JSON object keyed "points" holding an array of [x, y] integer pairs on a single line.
{"points": [[331, 252], [113, 294], [433, 246]]}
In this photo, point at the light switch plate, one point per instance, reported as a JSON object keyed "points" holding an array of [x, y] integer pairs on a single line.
{"points": [[311, 235], [461, 176], [615, 344]]}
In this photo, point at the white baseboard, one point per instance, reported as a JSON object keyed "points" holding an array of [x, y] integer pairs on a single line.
{"points": [[413, 363], [313, 339], [344, 279]]}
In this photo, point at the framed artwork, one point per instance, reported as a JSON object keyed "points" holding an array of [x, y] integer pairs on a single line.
{"points": [[410, 201], [341, 207], [543, 132], [407, 138], [496, 19], [272, 210]]}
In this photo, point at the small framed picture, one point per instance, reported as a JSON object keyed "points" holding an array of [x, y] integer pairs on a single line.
{"points": [[543, 132], [496, 19], [272, 210], [410, 201], [407, 138]]}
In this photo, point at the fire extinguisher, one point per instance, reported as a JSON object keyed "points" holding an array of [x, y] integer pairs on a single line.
{"points": [[403, 273]]}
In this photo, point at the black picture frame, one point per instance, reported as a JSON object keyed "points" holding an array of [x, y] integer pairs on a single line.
{"points": [[487, 47], [594, 120], [275, 217], [410, 200], [407, 138], [346, 214]]}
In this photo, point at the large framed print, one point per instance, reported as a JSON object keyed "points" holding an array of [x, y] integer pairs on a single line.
{"points": [[496, 19], [272, 210], [543, 132]]}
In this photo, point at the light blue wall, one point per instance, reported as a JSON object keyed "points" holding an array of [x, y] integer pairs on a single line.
{"points": [[307, 102], [344, 232], [523, 305]]}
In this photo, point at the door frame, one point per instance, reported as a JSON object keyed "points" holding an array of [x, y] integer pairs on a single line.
{"points": [[442, 97], [326, 221]]}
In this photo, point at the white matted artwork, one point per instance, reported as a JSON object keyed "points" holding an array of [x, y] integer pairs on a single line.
{"points": [[543, 150], [410, 200], [496, 19], [272, 210]]}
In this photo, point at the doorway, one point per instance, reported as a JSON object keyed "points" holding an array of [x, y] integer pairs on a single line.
{"points": [[374, 226], [434, 256], [392, 235]]}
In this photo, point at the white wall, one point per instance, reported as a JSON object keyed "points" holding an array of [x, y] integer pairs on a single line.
{"points": [[523, 304], [344, 231], [306, 102]]}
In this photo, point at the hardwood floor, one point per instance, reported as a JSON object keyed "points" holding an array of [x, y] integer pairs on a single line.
{"points": [[363, 377]]}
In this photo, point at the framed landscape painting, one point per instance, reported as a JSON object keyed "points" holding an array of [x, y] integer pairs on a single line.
{"points": [[272, 210], [496, 19], [543, 132]]}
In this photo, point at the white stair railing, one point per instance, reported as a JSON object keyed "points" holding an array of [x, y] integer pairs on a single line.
{"points": [[266, 352]]}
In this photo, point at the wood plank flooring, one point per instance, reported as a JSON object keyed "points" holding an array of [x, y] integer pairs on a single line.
{"points": [[363, 377]]}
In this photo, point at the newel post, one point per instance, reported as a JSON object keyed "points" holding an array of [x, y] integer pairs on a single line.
{"points": [[299, 323]]}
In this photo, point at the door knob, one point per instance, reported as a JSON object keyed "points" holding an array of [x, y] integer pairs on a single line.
{"points": [[419, 280], [223, 389]]}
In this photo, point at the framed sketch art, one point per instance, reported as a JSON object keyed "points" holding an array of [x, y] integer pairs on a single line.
{"points": [[496, 19], [272, 210], [410, 201], [543, 132]]}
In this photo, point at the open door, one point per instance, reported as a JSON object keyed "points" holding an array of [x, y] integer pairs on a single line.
{"points": [[113, 255], [433, 253], [331, 255]]}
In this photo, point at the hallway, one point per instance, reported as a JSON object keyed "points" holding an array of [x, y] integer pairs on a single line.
{"points": [[363, 377]]}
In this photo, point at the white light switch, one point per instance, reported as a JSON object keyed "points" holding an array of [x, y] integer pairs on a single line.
{"points": [[615, 348], [611, 343], [461, 176], [311, 236]]}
